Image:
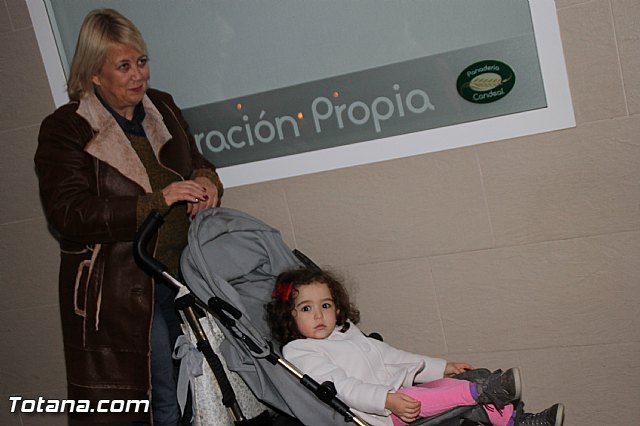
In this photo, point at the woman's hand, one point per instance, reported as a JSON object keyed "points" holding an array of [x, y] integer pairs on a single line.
{"points": [[454, 368], [210, 188], [199, 193], [210, 198], [185, 190], [403, 406]]}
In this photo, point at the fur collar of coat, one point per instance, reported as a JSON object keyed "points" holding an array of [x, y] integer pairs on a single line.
{"points": [[111, 145]]}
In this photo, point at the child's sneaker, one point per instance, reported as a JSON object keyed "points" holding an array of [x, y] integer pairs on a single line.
{"points": [[552, 416], [500, 388], [477, 375]]}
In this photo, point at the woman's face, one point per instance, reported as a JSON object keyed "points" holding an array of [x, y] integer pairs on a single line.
{"points": [[123, 79], [315, 311]]}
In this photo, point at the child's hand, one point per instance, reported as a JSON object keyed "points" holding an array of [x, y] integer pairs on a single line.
{"points": [[456, 368], [403, 406]]}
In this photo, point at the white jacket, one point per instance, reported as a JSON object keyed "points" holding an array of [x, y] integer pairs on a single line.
{"points": [[363, 370]]}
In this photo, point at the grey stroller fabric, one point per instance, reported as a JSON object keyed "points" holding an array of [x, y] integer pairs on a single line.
{"points": [[236, 257]]}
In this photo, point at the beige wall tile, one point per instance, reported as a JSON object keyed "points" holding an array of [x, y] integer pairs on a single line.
{"points": [[397, 300], [576, 182], [7, 418], [33, 359], [29, 259], [626, 14], [391, 210], [26, 98], [19, 13], [18, 182], [592, 61], [575, 292], [44, 419], [5, 20], [265, 201], [598, 384], [567, 3]]}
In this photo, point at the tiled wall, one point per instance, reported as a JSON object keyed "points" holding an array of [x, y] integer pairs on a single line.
{"points": [[520, 252]]}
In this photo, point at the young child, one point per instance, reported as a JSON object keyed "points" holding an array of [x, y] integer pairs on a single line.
{"points": [[311, 315]]}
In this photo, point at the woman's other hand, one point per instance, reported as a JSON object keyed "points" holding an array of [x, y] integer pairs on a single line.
{"points": [[454, 368], [403, 406], [210, 198]]}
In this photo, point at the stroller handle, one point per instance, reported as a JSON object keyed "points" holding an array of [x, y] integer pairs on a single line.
{"points": [[146, 231]]}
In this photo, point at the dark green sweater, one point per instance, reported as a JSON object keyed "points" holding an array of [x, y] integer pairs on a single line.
{"points": [[172, 236]]}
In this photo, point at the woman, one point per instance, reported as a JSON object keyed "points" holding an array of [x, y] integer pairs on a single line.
{"points": [[104, 161]]}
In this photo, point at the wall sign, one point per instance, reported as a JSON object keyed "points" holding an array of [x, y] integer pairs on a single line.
{"points": [[273, 89]]}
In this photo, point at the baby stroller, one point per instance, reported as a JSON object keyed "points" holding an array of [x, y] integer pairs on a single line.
{"points": [[230, 266]]}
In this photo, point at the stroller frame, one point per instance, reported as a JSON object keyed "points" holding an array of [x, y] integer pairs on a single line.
{"points": [[226, 315]]}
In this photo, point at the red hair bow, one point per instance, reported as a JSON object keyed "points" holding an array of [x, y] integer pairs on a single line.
{"points": [[283, 291]]}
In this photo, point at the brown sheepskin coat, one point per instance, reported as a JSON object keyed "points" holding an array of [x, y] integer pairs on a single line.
{"points": [[90, 182]]}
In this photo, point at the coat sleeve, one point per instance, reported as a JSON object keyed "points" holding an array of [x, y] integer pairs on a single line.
{"points": [[68, 185], [359, 395], [433, 367]]}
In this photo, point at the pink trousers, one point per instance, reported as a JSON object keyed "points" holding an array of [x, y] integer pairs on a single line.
{"points": [[444, 394]]}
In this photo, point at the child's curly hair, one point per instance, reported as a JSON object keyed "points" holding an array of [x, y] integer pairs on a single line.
{"points": [[280, 309]]}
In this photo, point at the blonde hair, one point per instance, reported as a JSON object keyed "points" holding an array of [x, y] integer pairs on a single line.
{"points": [[99, 28]]}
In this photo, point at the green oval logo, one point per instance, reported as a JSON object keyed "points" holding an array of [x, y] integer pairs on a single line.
{"points": [[486, 81]]}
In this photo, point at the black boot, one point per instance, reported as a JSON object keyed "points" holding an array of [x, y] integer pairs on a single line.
{"points": [[500, 388], [552, 416], [477, 375]]}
